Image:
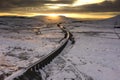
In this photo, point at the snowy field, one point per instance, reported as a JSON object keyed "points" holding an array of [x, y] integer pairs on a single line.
{"points": [[21, 48], [95, 55]]}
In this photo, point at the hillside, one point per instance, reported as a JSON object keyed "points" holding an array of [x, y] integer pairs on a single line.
{"points": [[110, 21]]}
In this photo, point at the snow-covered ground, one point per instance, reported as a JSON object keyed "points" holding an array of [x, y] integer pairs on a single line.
{"points": [[95, 55], [21, 48]]}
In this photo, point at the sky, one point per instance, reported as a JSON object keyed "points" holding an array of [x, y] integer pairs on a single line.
{"points": [[94, 9]]}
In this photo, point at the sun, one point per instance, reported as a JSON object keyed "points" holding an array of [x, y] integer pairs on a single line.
{"points": [[53, 15], [53, 18]]}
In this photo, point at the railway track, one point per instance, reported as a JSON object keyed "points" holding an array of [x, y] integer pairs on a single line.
{"points": [[32, 72]]}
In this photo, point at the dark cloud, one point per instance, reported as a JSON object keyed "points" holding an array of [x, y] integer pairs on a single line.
{"points": [[106, 6], [38, 6], [6, 5]]}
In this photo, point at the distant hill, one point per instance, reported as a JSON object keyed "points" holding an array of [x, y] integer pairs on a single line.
{"points": [[59, 19], [114, 20], [22, 17], [18, 21], [110, 21]]}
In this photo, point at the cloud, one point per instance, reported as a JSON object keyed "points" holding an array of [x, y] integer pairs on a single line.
{"points": [[106, 6], [38, 6], [7, 5]]}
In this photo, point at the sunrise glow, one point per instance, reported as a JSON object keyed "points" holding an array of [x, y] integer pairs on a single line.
{"points": [[56, 6], [83, 2], [53, 7], [56, 16], [53, 15]]}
